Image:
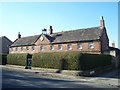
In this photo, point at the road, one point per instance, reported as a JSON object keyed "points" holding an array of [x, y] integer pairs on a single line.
{"points": [[19, 79]]}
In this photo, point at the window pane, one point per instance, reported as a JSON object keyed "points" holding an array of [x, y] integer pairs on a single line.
{"points": [[33, 48], [90, 45], [52, 47], [21, 48], [79, 46], [27, 48], [16, 49], [69, 46], [42, 48], [59, 47]]}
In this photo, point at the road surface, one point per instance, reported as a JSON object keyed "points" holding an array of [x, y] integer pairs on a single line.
{"points": [[19, 79]]}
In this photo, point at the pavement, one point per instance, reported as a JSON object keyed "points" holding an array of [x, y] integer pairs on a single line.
{"points": [[50, 73]]}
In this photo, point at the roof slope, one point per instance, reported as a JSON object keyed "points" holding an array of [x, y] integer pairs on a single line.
{"points": [[86, 34], [78, 35], [26, 41]]}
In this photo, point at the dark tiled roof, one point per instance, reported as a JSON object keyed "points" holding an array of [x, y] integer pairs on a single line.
{"points": [[86, 34], [26, 41], [78, 35]]}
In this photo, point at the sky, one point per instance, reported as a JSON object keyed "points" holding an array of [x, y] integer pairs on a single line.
{"points": [[29, 18]]}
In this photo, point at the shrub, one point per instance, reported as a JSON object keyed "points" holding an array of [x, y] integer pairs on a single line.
{"points": [[17, 59], [90, 61], [57, 60], [3, 59], [70, 60]]}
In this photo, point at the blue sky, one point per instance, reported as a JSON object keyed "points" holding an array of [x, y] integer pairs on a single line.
{"points": [[30, 18]]}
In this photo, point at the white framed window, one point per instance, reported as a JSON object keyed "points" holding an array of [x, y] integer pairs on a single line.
{"points": [[59, 47], [27, 48], [69, 46], [21, 48], [79, 46], [51, 47], [11, 49], [42, 48], [33, 48], [16, 49], [90, 45]]}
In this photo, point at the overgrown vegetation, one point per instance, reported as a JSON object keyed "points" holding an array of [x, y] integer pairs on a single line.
{"points": [[90, 61], [3, 59], [17, 59], [62, 60], [70, 60]]}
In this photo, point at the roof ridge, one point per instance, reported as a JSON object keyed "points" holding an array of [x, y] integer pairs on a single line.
{"points": [[30, 36], [76, 29]]}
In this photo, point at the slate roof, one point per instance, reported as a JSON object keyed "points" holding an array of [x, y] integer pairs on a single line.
{"points": [[24, 41], [86, 34]]}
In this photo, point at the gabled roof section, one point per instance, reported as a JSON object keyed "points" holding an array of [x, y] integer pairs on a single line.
{"points": [[3, 38], [30, 40], [86, 34]]}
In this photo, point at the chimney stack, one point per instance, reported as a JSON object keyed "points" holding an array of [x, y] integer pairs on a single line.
{"points": [[102, 23], [50, 30], [19, 35], [113, 44]]}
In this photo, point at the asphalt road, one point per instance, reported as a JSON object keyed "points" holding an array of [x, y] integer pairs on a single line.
{"points": [[19, 79]]}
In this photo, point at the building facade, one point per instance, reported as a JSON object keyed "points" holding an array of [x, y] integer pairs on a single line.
{"points": [[88, 40], [5, 43]]}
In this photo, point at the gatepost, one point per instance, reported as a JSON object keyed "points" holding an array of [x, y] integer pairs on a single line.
{"points": [[29, 62]]}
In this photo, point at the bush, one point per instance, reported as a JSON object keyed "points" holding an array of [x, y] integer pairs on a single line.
{"points": [[70, 60], [57, 60], [17, 59], [90, 61], [3, 59]]}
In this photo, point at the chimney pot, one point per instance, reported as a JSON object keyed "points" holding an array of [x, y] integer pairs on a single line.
{"points": [[113, 44], [50, 30], [19, 35], [102, 23]]}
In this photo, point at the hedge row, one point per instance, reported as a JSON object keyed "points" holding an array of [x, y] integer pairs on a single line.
{"points": [[62, 60], [70, 60], [90, 61], [17, 59], [3, 59], [58, 60]]}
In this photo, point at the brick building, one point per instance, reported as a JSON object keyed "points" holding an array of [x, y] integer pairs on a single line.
{"points": [[5, 43], [87, 40]]}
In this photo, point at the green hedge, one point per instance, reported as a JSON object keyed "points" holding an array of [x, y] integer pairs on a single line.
{"points": [[17, 59], [62, 60], [70, 60], [57, 60], [3, 59], [90, 61]]}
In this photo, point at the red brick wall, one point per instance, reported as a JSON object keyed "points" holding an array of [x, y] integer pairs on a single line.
{"points": [[84, 49], [104, 41]]}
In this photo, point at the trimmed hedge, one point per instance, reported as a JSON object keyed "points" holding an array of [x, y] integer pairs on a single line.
{"points": [[17, 59], [90, 61], [3, 59], [57, 60], [62, 60], [70, 60]]}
